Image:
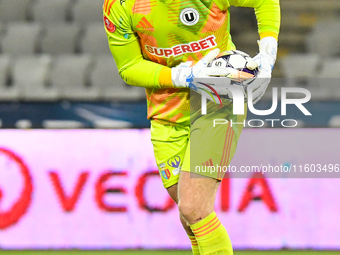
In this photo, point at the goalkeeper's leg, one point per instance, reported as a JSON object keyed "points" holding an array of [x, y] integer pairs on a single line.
{"points": [[196, 205], [173, 192], [170, 143], [210, 146]]}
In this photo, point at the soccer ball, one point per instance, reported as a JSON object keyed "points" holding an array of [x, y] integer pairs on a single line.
{"points": [[238, 60]]}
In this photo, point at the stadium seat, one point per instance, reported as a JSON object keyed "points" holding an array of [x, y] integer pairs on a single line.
{"points": [[60, 38], [31, 74], [105, 76], [51, 10], [320, 94], [13, 10], [323, 40], [86, 11], [71, 75], [95, 40], [329, 77], [330, 68], [21, 38], [61, 124], [4, 68], [23, 124], [2, 27], [334, 122], [7, 92], [300, 69], [109, 124]]}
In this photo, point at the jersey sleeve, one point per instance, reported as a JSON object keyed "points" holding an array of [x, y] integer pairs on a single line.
{"points": [[125, 48], [267, 13]]}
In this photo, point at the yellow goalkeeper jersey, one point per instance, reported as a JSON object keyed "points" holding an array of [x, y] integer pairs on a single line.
{"points": [[145, 36]]}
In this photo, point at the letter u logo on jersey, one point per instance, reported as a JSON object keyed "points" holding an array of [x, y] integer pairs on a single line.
{"points": [[189, 16]]}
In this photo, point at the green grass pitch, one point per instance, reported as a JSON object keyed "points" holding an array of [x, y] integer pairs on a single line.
{"points": [[163, 252]]}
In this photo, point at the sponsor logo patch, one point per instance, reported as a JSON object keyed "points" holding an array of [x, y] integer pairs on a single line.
{"points": [[175, 162], [109, 25], [127, 36], [203, 44], [176, 171]]}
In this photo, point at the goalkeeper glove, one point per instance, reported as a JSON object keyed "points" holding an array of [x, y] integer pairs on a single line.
{"points": [[187, 76], [183, 74], [265, 60]]}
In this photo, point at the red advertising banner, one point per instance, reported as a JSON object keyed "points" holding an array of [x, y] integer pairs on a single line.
{"points": [[100, 189]]}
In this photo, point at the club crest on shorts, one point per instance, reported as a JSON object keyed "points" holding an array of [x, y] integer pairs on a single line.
{"points": [[164, 171], [189, 16]]}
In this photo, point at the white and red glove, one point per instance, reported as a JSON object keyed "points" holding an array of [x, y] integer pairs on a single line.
{"points": [[183, 74], [211, 81]]}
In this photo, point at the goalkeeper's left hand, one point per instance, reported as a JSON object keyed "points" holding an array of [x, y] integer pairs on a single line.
{"points": [[201, 78], [183, 74], [265, 60]]}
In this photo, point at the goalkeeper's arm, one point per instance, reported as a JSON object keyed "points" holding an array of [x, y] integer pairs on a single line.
{"points": [[137, 71], [268, 20]]}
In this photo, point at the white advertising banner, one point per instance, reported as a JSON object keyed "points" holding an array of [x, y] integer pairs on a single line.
{"points": [[100, 189]]}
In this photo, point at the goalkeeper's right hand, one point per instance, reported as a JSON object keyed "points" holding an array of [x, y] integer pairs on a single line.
{"points": [[183, 74]]}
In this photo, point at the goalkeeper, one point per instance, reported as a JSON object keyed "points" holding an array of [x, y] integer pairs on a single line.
{"points": [[149, 39]]}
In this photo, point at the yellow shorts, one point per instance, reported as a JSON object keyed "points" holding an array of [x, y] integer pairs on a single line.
{"points": [[201, 148]]}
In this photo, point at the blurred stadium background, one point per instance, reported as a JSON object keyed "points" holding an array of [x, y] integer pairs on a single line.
{"points": [[56, 72]]}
